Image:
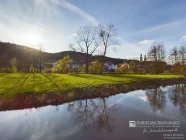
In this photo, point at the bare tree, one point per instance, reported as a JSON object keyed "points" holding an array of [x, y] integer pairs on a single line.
{"points": [[71, 46], [161, 51], [152, 54], [174, 55], [182, 54], [40, 57], [85, 42], [157, 52], [107, 38]]}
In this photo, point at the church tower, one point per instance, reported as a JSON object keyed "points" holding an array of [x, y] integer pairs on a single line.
{"points": [[141, 58]]}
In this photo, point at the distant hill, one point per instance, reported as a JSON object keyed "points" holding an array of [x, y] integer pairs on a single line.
{"points": [[25, 55]]}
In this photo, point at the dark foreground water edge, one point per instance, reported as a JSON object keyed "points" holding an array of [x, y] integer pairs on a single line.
{"points": [[102, 118], [30, 100]]}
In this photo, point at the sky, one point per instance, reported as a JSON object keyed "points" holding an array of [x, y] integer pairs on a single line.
{"points": [[52, 24]]}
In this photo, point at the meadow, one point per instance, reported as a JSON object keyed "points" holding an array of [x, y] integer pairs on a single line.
{"points": [[17, 83]]}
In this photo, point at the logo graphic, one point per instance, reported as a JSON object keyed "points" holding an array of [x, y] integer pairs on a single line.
{"points": [[132, 124]]}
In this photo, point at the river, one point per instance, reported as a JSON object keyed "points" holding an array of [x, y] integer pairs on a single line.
{"points": [[103, 118]]}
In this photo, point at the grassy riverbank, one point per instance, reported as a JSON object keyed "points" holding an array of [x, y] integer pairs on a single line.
{"points": [[13, 84]]}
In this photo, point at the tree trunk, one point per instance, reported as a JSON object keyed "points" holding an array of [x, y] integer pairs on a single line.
{"points": [[102, 63], [102, 60], [87, 61]]}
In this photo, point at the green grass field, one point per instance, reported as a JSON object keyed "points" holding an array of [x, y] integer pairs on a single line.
{"points": [[13, 84]]}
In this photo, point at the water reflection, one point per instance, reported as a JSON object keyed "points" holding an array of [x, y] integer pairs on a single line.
{"points": [[96, 113], [156, 98], [177, 95], [83, 112], [99, 118]]}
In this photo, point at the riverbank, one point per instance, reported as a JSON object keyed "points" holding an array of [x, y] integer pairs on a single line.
{"points": [[31, 89]]}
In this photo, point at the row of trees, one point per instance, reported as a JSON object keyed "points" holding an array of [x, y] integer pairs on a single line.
{"points": [[13, 67], [176, 55]]}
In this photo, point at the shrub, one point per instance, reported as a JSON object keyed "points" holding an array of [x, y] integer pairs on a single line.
{"points": [[95, 67]]}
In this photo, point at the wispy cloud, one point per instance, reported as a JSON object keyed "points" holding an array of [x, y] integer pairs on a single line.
{"points": [[128, 50], [145, 42], [45, 20], [77, 10], [74, 34], [91, 19], [46, 8], [160, 27], [183, 38]]}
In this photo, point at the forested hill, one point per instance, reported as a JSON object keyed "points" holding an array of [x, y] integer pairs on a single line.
{"points": [[25, 55]]}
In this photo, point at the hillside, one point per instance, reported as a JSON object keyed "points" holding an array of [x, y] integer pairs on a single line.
{"points": [[25, 55]]}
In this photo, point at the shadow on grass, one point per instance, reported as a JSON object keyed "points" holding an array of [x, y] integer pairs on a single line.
{"points": [[16, 86], [58, 87]]}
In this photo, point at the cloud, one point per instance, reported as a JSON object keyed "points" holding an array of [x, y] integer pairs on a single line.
{"points": [[143, 97], [146, 42], [127, 50], [74, 34], [50, 6], [33, 23], [55, 31], [160, 27], [183, 38], [77, 10]]}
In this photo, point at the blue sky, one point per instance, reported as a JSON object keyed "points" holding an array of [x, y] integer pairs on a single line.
{"points": [[53, 23]]}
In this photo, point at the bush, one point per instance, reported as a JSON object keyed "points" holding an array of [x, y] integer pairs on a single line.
{"points": [[121, 69], [47, 70], [13, 63], [141, 70], [156, 67], [62, 64], [95, 67]]}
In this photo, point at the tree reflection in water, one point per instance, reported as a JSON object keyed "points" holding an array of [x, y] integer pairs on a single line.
{"points": [[97, 113], [156, 98], [90, 112], [177, 95], [83, 112], [104, 119]]}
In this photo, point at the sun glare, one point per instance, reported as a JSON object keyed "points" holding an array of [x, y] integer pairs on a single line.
{"points": [[32, 38]]}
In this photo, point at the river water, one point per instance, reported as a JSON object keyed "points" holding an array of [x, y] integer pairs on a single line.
{"points": [[103, 118]]}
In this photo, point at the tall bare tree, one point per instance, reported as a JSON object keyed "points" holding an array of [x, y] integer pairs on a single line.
{"points": [[85, 42], [157, 52], [161, 51], [107, 36], [182, 54], [174, 55], [40, 57]]}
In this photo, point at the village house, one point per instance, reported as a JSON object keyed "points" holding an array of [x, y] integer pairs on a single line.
{"points": [[109, 67]]}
